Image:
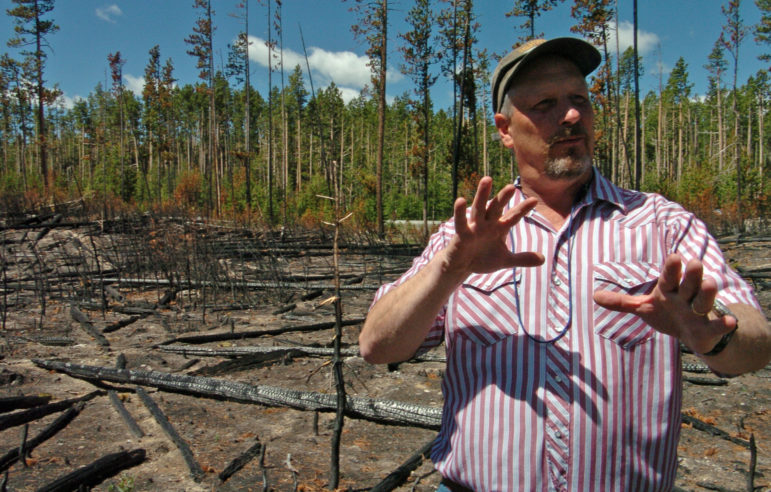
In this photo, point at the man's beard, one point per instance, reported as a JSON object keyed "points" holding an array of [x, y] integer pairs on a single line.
{"points": [[570, 165], [567, 166]]}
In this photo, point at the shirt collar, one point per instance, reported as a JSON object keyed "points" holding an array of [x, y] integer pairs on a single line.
{"points": [[600, 188]]}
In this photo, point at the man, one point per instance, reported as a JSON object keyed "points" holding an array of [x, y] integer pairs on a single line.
{"points": [[563, 302]]}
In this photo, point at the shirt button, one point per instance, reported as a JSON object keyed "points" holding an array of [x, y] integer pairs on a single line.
{"points": [[558, 379], [557, 281], [558, 435]]}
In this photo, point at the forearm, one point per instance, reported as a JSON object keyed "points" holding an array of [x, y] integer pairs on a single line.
{"points": [[749, 348], [398, 323]]}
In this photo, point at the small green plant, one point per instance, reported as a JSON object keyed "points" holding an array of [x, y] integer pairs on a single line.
{"points": [[125, 484]]}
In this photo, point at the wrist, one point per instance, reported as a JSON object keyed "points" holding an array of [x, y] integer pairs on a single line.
{"points": [[721, 310], [721, 344]]}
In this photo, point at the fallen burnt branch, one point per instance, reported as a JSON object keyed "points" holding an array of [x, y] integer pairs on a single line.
{"points": [[711, 429], [20, 418], [97, 472], [195, 469], [383, 411], [401, 474], [88, 326], [48, 341], [218, 337], [238, 284], [697, 368], [705, 381], [122, 323], [60, 423], [243, 363], [279, 351], [124, 414], [10, 403], [269, 353], [241, 461]]}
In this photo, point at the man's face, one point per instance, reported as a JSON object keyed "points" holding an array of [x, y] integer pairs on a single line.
{"points": [[550, 126]]}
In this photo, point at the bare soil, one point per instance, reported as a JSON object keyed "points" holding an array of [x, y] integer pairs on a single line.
{"points": [[297, 443]]}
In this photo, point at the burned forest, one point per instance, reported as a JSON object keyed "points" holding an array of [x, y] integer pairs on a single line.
{"points": [[154, 352]]}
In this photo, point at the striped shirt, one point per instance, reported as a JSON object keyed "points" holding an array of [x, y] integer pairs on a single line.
{"points": [[597, 409]]}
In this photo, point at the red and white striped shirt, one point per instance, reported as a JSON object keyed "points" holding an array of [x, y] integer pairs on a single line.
{"points": [[598, 409]]}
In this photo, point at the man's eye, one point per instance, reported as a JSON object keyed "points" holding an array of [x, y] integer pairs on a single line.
{"points": [[544, 104], [579, 100]]}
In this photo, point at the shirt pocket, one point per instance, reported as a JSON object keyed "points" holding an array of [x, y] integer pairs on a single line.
{"points": [[483, 308], [634, 278]]}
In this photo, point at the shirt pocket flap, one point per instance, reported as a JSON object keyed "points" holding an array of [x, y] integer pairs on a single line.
{"points": [[483, 308], [630, 277], [635, 278]]}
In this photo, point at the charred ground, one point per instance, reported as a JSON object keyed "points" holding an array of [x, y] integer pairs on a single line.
{"points": [[136, 292]]}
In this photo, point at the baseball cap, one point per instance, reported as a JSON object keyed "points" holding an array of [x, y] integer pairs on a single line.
{"points": [[584, 55]]}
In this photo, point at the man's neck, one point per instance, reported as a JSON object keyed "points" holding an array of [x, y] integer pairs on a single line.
{"points": [[556, 197]]}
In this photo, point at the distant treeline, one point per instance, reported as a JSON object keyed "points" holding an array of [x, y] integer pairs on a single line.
{"points": [[218, 149]]}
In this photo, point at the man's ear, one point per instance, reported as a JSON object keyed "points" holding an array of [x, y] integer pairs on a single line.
{"points": [[502, 124]]}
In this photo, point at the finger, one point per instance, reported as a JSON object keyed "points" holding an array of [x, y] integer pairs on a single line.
{"points": [[617, 301], [479, 205], [515, 214], [526, 259], [459, 213], [705, 297], [689, 287], [669, 281], [499, 201]]}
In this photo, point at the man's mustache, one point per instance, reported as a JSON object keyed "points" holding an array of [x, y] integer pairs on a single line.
{"points": [[569, 132]]}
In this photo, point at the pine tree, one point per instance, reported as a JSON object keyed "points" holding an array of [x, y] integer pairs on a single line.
{"points": [[734, 32], [716, 66], [31, 31], [763, 28], [238, 65], [419, 55], [530, 10], [373, 26], [116, 62], [201, 42]]}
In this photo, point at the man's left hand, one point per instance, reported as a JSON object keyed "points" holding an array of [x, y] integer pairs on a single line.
{"points": [[679, 305]]}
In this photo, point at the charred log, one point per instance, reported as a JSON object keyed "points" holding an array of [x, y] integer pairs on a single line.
{"points": [[60, 423], [86, 324], [241, 461], [122, 323], [195, 469], [10, 403], [96, 472], [26, 416], [383, 411], [266, 353], [401, 474], [711, 429], [124, 414], [218, 337]]}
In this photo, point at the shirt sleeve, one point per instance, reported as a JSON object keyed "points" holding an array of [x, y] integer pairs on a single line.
{"points": [[689, 237], [436, 243]]}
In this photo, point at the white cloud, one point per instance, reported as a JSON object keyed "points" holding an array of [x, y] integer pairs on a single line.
{"points": [[109, 13], [346, 69], [348, 94], [134, 84], [68, 102], [646, 41]]}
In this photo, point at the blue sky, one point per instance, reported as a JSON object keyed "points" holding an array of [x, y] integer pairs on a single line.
{"points": [[92, 29]]}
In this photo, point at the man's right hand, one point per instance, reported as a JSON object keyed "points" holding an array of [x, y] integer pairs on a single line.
{"points": [[398, 323], [479, 244]]}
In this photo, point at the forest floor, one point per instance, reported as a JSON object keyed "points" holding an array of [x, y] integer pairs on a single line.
{"points": [[296, 442]]}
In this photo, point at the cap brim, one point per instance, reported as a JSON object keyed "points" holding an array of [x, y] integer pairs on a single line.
{"points": [[584, 55]]}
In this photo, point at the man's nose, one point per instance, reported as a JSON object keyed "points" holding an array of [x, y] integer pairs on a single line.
{"points": [[570, 115]]}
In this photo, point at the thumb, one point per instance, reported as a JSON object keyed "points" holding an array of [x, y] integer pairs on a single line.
{"points": [[615, 301], [526, 259]]}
